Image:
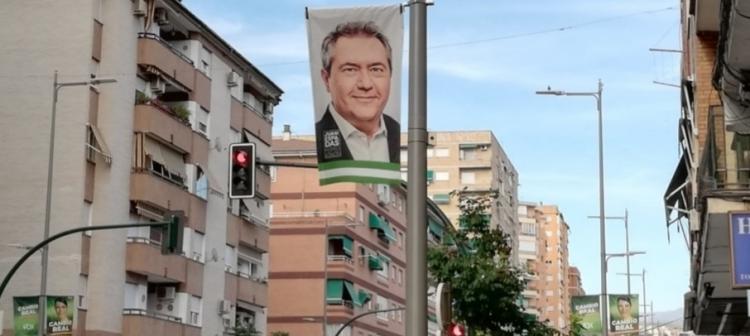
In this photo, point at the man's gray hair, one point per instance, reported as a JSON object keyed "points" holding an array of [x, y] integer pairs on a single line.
{"points": [[352, 29]]}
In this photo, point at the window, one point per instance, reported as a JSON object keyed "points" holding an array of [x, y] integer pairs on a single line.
{"points": [[442, 176], [202, 119], [430, 152], [383, 272], [197, 246], [404, 175], [381, 303], [468, 177], [400, 239], [467, 154], [244, 318], [200, 185], [393, 273], [400, 276], [272, 172], [361, 214], [404, 155], [205, 63], [230, 256], [195, 310], [442, 152], [249, 264], [96, 49], [741, 146]]}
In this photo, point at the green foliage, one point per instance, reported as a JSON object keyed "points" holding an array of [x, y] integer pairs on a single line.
{"points": [[181, 111], [141, 98], [485, 285], [279, 333], [245, 331], [576, 325]]}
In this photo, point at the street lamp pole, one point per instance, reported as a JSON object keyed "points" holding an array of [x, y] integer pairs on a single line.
{"points": [[627, 242], [602, 234], [56, 86]]}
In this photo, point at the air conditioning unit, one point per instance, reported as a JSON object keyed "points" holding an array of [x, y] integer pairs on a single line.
{"points": [[166, 293], [158, 86], [233, 79], [225, 307], [161, 17], [139, 7]]}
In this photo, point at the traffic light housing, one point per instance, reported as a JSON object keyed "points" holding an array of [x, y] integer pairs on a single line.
{"points": [[242, 170], [171, 242]]}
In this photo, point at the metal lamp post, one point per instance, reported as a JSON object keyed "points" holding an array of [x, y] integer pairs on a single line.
{"points": [[56, 86], [602, 234]]}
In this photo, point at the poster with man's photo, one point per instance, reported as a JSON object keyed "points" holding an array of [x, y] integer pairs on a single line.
{"points": [[60, 313], [623, 314], [355, 64]]}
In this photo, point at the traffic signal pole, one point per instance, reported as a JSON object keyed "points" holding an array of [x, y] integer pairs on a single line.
{"points": [[46, 242]]}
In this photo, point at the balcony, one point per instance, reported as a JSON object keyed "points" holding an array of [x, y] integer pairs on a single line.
{"points": [[145, 258], [199, 149], [246, 289], [253, 235], [138, 322], [154, 120], [146, 187], [197, 214], [252, 121], [262, 183], [157, 53]]}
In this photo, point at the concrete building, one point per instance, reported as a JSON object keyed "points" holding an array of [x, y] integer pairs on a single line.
{"points": [[472, 162], [711, 179], [336, 250], [575, 285], [530, 255], [156, 140], [553, 270]]}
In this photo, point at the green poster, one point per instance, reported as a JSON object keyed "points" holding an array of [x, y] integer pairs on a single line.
{"points": [[623, 314], [25, 315], [588, 308], [60, 311]]}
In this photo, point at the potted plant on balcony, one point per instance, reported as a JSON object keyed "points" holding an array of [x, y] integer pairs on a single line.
{"points": [[141, 98], [181, 112]]}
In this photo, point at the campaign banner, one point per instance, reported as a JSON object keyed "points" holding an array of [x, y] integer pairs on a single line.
{"points": [[25, 315], [587, 307], [623, 314], [739, 237], [355, 66], [60, 313]]}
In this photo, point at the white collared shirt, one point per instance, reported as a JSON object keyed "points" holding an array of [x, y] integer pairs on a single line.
{"points": [[360, 145]]}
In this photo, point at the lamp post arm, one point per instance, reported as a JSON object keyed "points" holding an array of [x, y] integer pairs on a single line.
{"points": [[338, 332], [45, 242]]}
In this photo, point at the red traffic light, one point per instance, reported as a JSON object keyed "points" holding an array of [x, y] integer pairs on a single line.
{"points": [[456, 329], [241, 158]]}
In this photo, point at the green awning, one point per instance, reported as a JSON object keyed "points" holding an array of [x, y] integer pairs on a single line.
{"points": [[387, 231], [349, 292], [432, 317], [374, 222], [441, 198], [346, 242], [374, 263], [430, 175], [334, 290], [435, 229], [467, 146], [363, 297], [384, 259]]}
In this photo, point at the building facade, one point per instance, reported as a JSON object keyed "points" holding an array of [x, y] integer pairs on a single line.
{"points": [[530, 255], [553, 269], [126, 152], [711, 179], [338, 250], [474, 163], [575, 284]]}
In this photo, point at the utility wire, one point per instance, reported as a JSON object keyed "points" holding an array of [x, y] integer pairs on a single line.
{"points": [[520, 35]]}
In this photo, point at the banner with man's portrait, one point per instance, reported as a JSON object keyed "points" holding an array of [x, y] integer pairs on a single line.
{"points": [[587, 307], [355, 65], [60, 314], [623, 314]]}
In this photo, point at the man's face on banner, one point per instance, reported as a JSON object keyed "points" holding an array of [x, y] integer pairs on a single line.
{"points": [[359, 81]]}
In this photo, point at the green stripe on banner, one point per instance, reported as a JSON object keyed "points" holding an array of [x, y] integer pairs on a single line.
{"points": [[359, 164], [359, 179]]}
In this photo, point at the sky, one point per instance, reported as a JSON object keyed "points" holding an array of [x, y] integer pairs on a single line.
{"points": [[486, 58]]}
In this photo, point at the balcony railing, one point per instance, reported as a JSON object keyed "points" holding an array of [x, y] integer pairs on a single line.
{"points": [[143, 312], [167, 45]]}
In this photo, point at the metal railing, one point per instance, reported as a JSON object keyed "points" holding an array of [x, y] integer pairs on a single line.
{"points": [[313, 214], [149, 313]]}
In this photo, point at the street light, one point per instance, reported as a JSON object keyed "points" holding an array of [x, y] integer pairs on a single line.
{"points": [[602, 236], [56, 86], [627, 241], [643, 278], [619, 255]]}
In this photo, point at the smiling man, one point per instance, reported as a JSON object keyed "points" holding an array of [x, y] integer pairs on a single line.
{"points": [[357, 73]]}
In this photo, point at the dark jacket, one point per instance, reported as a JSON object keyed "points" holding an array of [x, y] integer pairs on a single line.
{"points": [[332, 146]]}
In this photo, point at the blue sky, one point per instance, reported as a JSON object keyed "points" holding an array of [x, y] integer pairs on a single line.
{"points": [[487, 59]]}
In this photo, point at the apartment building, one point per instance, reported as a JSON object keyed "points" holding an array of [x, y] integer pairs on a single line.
{"points": [[575, 284], [530, 255], [711, 179], [474, 163], [125, 152], [553, 270], [337, 250]]}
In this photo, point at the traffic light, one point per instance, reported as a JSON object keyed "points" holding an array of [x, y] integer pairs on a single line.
{"points": [[456, 329], [171, 242], [242, 170]]}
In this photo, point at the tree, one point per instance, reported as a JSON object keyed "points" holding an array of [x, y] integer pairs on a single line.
{"points": [[485, 286], [279, 333], [241, 330], [576, 325]]}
